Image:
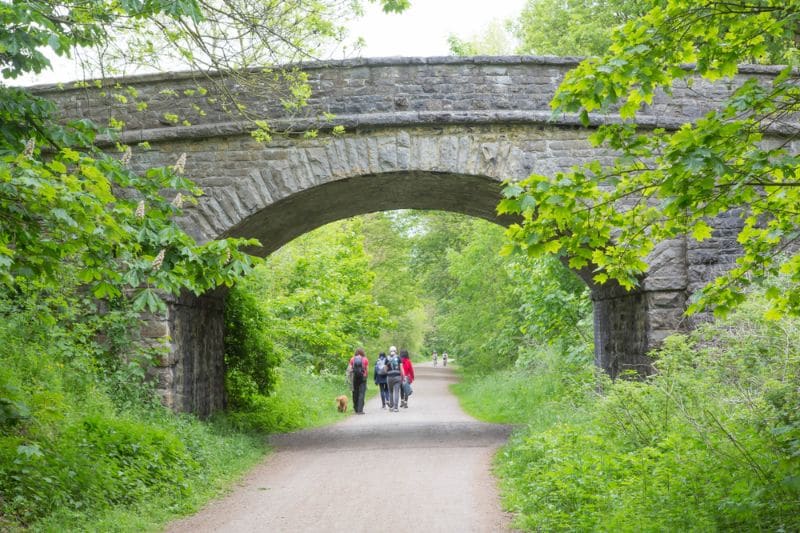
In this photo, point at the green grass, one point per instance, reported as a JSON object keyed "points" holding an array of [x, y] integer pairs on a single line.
{"points": [[85, 447], [301, 400], [710, 443], [538, 396]]}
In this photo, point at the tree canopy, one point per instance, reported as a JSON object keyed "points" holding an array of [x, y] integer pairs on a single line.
{"points": [[64, 200], [673, 183], [572, 27]]}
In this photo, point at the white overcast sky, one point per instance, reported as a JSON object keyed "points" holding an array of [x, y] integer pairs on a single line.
{"points": [[421, 30]]}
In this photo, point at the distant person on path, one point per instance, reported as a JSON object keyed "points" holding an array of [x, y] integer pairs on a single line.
{"points": [[435, 359], [394, 377], [359, 367], [408, 376], [381, 377], [444, 358]]}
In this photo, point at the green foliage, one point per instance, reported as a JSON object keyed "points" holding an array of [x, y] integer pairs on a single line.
{"points": [[524, 304], [667, 184], [251, 357], [543, 388], [571, 28], [481, 332], [315, 295], [388, 243], [301, 399], [196, 33], [61, 202], [82, 433], [710, 443]]}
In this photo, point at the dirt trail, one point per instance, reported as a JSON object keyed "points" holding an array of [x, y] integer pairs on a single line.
{"points": [[423, 469]]}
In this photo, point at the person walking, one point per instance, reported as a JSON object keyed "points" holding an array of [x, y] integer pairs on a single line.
{"points": [[408, 377], [359, 368], [394, 378], [444, 358], [380, 378], [435, 358]]}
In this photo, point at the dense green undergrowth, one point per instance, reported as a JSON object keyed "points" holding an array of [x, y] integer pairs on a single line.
{"points": [[710, 443], [84, 443], [301, 399]]}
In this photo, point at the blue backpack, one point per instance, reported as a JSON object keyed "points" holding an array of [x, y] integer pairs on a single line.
{"points": [[358, 366]]}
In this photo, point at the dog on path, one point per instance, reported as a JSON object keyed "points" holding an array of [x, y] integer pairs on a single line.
{"points": [[341, 403]]}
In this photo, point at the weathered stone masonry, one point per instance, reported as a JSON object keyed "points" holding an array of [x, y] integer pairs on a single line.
{"points": [[424, 133]]}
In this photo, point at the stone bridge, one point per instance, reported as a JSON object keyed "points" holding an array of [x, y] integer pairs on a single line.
{"points": [[421, 133]]}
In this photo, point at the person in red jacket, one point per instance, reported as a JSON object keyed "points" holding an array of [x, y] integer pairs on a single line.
{"points": [[408, 376], [359, 368]]}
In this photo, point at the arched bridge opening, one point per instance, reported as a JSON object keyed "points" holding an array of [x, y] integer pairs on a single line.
{"points": [[423, 133], [192, 379]]}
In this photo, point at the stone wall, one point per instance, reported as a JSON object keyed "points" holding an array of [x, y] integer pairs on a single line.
{"points": [[190, 377]]}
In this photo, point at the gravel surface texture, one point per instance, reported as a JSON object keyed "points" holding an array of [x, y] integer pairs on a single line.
{"points": [[426, 468]]}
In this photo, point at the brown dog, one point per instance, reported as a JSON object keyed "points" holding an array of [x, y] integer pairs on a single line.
{"points": [[341, 403]]}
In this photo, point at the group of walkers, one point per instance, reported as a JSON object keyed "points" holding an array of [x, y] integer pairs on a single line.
{"points": [[393, 374], [436, 358]]}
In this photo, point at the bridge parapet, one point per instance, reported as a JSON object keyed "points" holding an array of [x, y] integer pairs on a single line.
{"points": [[366, 93]]}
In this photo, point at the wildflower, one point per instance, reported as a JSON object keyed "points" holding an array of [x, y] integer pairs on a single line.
{"points": [[180, 164], [29, 146], [178, 201], [158, 260], [227, 255], [140, 210], [126, 157]]}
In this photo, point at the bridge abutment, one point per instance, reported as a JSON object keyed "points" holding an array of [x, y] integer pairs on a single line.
{"points": [[190, 375]]}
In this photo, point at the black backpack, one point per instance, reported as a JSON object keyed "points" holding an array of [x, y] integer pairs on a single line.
{"points": [[358, 366], [394, 363]]}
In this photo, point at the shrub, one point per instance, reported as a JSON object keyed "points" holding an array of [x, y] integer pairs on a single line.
{"points": [[708, 443]]}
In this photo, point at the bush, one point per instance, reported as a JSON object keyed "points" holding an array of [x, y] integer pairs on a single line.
{"points": [[251, 358], [302, 399], [82, 438], [709, 443]]}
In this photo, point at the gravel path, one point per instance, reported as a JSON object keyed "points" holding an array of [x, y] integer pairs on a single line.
{"points": [[423, 469]]}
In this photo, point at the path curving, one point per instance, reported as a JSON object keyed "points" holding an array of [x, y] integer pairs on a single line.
{"points": [[426, 468]]}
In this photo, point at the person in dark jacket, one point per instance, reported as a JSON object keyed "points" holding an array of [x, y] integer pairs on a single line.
{"points": [[359, 368], [380, 379], [408, 377]]}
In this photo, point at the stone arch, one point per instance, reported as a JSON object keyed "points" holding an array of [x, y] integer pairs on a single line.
{"points": [[411, 122], [304, 211], [322, 180]]}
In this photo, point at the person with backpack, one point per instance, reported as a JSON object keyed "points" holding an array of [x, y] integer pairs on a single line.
{"points": [[435, 358], [359, 368], [381, 371], [394, 378], [408, 378]]}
